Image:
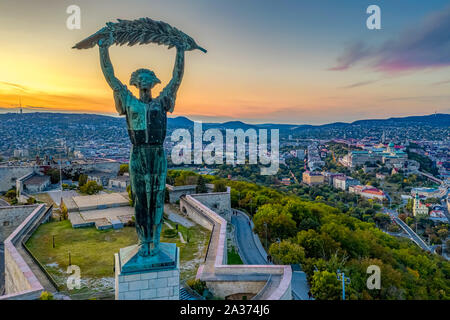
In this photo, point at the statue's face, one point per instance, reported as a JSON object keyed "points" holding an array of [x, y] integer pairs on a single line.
{"points": [[144, 79]]}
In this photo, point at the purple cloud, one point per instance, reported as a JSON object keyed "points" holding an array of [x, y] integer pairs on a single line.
{"points": [[424, 46], [359, 84]]}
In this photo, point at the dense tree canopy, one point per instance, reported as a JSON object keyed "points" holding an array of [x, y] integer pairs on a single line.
{"points": [[324, 239]]}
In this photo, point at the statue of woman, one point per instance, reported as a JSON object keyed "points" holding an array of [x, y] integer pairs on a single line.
{"points": [[146, 121]]}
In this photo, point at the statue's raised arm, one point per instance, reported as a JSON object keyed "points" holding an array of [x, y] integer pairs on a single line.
{"points": [[169, 93], [108, 72]]}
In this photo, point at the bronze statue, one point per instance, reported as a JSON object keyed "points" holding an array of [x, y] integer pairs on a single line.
{"points": [[146, 117]]}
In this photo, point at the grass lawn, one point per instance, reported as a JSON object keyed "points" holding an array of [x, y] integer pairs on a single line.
{"points": [[93, 251], [233, 257]]}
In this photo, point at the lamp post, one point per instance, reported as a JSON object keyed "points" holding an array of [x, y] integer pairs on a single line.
{"points": [[60, 181], [345, 280], [265, 226], [239, 202]]}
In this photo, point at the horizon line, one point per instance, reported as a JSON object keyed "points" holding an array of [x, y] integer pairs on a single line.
{"points": [[73, 112]]}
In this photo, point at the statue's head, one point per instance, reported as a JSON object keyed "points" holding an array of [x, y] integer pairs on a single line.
{"points": [[144, 79]]}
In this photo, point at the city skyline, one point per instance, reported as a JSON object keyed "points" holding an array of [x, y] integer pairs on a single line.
{"points": [[291, 62]]}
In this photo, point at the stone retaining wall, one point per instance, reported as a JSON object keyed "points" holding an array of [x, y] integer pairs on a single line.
{"points": [[20, 281], [225, 280]]}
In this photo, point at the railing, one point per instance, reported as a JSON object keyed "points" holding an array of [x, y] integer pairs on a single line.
{"points": [[25, 239], [192, 292], [263, 290], [200, 210], [48, 275]]}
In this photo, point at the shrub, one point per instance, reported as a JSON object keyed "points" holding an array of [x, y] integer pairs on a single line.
{"points": [[45, 295], [170, 233], [197, 285], [64, 211], [31, 200], [11, 194]]}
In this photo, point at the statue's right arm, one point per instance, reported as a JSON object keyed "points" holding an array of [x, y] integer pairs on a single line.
{"points": [[115, 84], [108, 70]]}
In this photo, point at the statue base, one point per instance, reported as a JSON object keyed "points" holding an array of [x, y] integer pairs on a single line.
{"points": [[148, 278]]}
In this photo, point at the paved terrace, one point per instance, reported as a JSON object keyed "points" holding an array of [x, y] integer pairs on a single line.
{"points": [[271, 282]]}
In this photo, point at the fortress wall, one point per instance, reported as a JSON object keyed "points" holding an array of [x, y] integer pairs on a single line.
{"points": [[9, 175], [219, 202], [225, 280], [11, 217], [228, 288], [20, 281], [176, 192]]}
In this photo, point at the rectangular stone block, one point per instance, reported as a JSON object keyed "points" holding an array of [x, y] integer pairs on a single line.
{"points": [[132, 277], [123, 286], [164, 274], [132, 295], [157, 283], [163, 292], [172, 281], [149, 275], [138, 285], [148, 294]]}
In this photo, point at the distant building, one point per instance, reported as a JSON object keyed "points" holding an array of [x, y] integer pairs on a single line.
{"points": [[368, 192], [102, 178], [390, 156], [119, 182], [20, 153], [344, 182], [429, 192], [312, 178], [33, 182], [418, 207], [300, 154], [330, 176], [380, 176], [286, 181]]}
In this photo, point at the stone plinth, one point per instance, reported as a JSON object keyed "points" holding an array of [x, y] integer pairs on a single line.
{"points": [[149, 278]]}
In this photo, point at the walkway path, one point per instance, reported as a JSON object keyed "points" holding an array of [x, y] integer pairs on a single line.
{"points": [[251, 251], [248, 249], [414, 236], [176, 217]]}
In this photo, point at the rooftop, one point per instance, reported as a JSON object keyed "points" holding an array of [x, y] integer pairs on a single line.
{"points": [[37, 180]]}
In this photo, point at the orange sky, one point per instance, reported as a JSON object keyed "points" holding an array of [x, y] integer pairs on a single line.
{"points": [[244, 75]]}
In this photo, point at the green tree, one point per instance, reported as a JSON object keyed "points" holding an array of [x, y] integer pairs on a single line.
{"points": [[220, 186], [82, 180], [201, 185], [325, 286], [130, 195], [54, 175], [91, 187], [166, 195], [286, 252], [382, 220], [123, 168]]}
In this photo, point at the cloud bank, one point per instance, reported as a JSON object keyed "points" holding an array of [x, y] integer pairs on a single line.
{"points": [[424, 46]]}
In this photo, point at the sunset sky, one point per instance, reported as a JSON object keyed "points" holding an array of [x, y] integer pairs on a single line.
{"points": [[279, 61]]}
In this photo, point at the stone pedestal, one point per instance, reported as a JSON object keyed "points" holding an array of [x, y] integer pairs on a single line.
{"points": [[148, 278]]}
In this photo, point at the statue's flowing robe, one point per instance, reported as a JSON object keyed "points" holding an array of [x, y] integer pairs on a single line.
{"points": [[147, 124]]}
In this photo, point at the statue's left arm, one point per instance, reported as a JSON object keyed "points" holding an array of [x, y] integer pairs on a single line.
{"points": [[169, 93]]}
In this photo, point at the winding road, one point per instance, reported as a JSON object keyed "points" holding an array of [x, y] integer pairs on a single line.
{"points": [[251, 251]]}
